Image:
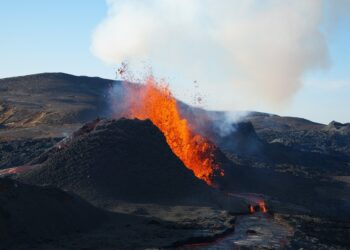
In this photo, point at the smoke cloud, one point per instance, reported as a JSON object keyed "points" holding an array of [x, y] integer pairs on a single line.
{"points": [[258, 49]]}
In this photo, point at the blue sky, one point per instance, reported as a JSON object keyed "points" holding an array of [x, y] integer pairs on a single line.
{"points": [[55, 36], [49, 36]]}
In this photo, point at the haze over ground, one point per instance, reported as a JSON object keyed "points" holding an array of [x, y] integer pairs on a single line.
{"points": [[56, 36]]}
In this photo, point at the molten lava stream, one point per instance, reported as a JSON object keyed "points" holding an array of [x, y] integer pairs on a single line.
{"points": [[251, 209], [154, 101], [262, 207]]}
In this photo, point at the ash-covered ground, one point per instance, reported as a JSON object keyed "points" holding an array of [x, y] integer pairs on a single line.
{"points": [[84, 182]]}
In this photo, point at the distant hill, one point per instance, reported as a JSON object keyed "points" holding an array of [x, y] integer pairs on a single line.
{"points": [[302, 134], [50, 104]]}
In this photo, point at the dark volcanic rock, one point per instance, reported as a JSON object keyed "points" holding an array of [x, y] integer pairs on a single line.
{"points": [[319, 233], [120, 160], [35, 214], [19, 152], [302, 134], [242, 140], [337, 127]]}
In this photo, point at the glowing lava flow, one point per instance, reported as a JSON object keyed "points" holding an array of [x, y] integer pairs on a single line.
{"points": [[154, 101], [262, 206]]}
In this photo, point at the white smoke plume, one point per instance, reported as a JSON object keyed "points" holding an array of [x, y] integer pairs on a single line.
{"points": [[259, 49]]}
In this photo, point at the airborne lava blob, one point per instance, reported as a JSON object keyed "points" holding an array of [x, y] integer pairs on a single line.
{"points": [[154, 101]]}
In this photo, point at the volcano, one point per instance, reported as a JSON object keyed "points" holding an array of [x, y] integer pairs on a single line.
{"points": [[135, 167], [154, 101], [121, 159]]}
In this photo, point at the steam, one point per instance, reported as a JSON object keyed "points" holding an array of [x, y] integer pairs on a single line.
{"points": [[257, 49]]}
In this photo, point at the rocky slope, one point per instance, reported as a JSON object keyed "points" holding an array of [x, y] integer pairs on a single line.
{"points": [[33, 217], [31, 214], [127, 160], [23, 150], [302, 134]]}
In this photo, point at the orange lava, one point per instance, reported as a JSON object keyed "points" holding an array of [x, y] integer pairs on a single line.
{"points": [[154, 101], [262, 207]]}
